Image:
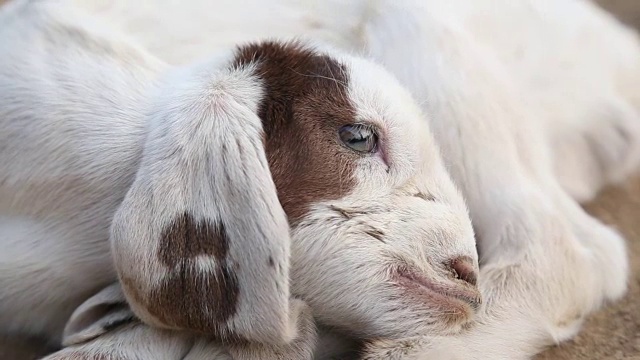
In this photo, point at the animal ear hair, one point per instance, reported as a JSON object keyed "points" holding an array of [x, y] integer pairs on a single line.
{"points": [[98, 315], [201, 241], [104, 327]]}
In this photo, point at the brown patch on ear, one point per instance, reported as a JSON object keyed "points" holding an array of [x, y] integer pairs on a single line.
{"points": [[190, 297], [194, 300], [305, 103], [186, 238]]}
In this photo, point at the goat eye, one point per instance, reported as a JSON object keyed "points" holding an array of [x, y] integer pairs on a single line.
{"points": [[359, 137]]}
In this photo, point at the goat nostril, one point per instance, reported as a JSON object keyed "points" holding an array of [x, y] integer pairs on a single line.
{"points": [[464, 270]]}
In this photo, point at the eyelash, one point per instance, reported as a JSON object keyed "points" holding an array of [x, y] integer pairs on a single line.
{"points": [[353, 134]]}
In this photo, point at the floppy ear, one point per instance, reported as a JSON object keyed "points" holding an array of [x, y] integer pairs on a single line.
{"points": [[98, 315], [201, 241], [104, 327]]}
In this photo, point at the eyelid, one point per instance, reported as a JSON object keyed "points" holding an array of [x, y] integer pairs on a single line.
{"points": [[372, 129], [359, 132], [381, 149], [367, 126]]}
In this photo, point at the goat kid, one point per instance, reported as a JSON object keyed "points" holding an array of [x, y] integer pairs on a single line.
{"points": [[220, 192], [534, 107]]}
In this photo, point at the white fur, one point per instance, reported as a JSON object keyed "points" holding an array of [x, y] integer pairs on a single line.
{"points": [[554, 53], [96, 129], [92, 332], [545, 264], [523, 120], [197, 111]]}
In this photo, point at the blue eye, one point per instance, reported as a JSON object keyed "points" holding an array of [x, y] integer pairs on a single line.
{"points": [[359, 137]]}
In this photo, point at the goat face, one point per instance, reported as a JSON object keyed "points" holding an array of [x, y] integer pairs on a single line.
{"points": [[381, 241], [294, 151]]}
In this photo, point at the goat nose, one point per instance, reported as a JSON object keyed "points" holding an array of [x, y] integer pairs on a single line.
{"points": [[464, 269]]}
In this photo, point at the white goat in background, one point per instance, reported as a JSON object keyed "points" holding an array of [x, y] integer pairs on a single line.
{"points": [[533, 107]]}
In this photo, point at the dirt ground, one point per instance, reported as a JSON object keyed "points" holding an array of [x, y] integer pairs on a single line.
{"points": [[613, 333]]}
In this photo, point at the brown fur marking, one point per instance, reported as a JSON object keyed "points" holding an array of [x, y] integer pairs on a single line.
{"points": [[190, 298], [305, 104], [197, 301], [186, 238]]}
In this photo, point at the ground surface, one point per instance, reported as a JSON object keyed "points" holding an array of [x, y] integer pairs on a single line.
{"points": [[613, 333]]}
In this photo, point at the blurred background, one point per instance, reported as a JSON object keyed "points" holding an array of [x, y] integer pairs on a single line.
{"points": [[613, 333], [626, 10]]}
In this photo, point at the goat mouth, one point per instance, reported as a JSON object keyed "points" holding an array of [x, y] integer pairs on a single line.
{"points": [[454, 299]]}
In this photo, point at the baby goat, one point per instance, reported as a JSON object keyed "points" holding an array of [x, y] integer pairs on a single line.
{"points": [[497, 110], [533, 107], [230, 185]]}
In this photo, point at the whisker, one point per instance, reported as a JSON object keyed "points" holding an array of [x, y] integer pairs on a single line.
{"points": [[320, 77]]}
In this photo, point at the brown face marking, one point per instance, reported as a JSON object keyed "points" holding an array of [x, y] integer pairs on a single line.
{"points": [[305, 103], [304, 106], [189, 297]]}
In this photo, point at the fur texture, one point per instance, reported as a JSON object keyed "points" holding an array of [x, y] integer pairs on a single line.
{"points": [[494, 93], [104, 327], [212, 202]]}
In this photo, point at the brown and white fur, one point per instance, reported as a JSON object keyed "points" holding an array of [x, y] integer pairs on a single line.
{"points": [[221, 188], [545, 263], [105, 327]]}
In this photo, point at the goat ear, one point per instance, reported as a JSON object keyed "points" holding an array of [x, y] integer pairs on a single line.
{"points": [[98, 315], [104, 327], [201, 241]]}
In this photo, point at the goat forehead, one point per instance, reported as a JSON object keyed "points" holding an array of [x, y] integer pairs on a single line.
{"points": [[378, 95], [305, 102], [406, 138]]}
